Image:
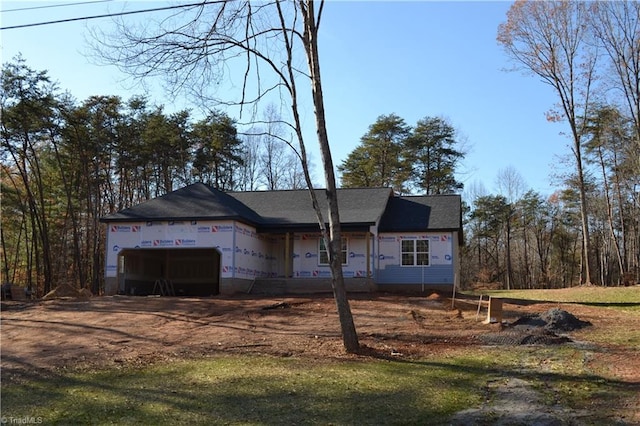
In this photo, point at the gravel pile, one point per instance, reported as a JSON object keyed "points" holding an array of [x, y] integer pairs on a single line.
{"points": [[554, 320], [537, 329]]}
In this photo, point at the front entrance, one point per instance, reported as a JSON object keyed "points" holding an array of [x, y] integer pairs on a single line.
{"points": [[188, 271]]}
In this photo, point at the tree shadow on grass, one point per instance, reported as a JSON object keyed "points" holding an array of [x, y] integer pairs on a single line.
{"points": [[603, 397], [186, 395], [274, 391]]}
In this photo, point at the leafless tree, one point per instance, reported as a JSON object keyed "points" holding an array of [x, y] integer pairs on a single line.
{"points": [[278, 163], [550, 40], [248, 174], [511, 184], [267, 44], [616, 27]]}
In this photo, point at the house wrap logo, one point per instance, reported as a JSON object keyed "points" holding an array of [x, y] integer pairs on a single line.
{"points": [[387, 239], [221, 228], [125, 228]]}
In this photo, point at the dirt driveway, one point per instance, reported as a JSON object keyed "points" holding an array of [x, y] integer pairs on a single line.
{"points": [[102, 331], [122, 330]]}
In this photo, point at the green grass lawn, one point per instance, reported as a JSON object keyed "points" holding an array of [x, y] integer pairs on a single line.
{"points": [[254, 390], [591, 295], [269, 390], [622, 299]]}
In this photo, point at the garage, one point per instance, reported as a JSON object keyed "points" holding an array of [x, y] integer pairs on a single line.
{"points": [[169, 272]]}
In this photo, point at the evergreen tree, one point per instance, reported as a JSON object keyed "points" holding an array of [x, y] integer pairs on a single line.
{"points": [[218, 151], [432, 155], [378, 160]]}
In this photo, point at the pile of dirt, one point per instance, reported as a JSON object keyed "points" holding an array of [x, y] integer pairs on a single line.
{"points": [[537, 329], [85, 293], [66, 291], [434, 296]]}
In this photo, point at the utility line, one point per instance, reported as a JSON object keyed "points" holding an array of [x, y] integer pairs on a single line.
{"points": [[52, 5], [202, 3]]}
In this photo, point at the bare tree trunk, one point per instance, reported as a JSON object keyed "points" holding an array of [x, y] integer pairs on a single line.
{"points": [[508, 262], [349, 335], [607, 196], [238, 29], [5, 258], [549, 39], [78, 270], [584, 215], [529, 273]]}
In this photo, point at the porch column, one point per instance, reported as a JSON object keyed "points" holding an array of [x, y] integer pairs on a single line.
{"points": [[287, 256], [367, 239], [167, 259]]}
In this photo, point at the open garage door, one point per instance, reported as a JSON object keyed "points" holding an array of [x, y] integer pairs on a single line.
{"points": [[190, 271]]}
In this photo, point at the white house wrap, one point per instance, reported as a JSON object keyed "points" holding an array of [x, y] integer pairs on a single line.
{"points": [[204, 242]]}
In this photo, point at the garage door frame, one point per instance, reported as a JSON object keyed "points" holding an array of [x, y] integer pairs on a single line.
{"points": [[192, 271]]}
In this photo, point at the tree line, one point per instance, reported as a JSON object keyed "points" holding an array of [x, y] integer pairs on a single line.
{"points": [[588, 53], [65, 164], [518, 238]]}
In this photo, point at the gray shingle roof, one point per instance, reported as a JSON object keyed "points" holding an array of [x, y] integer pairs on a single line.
{"points": [[193, 202], [358, 206], [419, 213], [293, 209]]}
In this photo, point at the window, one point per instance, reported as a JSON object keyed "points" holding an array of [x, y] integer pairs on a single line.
{"points": [[415, 252], [323, 258]]}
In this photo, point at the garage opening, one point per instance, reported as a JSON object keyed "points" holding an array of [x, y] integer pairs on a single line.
{"points": [[190, 271]]}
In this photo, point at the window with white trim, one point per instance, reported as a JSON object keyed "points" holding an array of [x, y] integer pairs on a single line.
{"points": [[323, 254], [415, 252]]}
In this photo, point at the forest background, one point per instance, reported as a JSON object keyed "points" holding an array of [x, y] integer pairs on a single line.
{"points": [[66, 163]]}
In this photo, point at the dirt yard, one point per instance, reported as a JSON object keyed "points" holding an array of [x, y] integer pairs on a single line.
{"points": [[120, 330]]}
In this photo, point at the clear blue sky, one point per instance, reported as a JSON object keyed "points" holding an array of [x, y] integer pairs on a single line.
{"points": [[414, 59]]}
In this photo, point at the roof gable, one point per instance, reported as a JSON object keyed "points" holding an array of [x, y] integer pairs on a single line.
{"points": [[420, 213], [193, 202]]}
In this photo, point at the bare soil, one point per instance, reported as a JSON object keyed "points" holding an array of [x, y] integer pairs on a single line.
{"points": [[71, 333]]}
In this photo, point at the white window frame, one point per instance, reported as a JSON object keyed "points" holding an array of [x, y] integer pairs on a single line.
{"points": [[323, 253], [414, 254]]}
